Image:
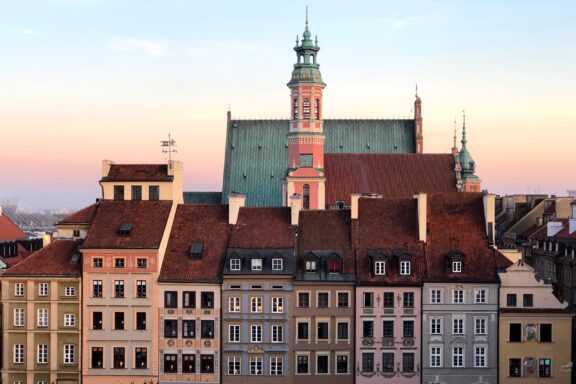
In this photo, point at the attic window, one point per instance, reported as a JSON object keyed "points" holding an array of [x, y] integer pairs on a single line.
{"points": [[455, 261], [334, 264], [257, 264], [234, 264], [195, 251], [125, 229], [456, 266], [75, 257]]}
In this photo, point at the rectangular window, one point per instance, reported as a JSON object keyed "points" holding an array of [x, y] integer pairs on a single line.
{"points": [[388, 362], [306, 160], [234, 304], [277, 305], [96, 320], [408, 299], [341, 363], [97, 354], [388, 329], [142, 263], [119, 288], [69, 320], [457, 357], [458, 296], [456, 266], [170, 299], [380, 268], [435, 325], [170, 328], [480, 357], [119, 356], [408, 328], [515, 332], [343, 300], [322, 299], [153, 192], [528, 300], [207, 329], [515, 368], [405, 268], [322, 330], [436, 296], [189, 299], [42, 354], [97, 262], [367, 362], [188, 363], [76, 233], [234, 264], [234, 364], [310, 264], [510, 300], [256, 365], [206, 363], [342, 331], [170, 364], [367, 328], [368, 299], [18, 357], [256, 304], [303, 299], [544, 366], [276, 365], [545, 333], [69, 353], [19, 289], [141, 289], [457, 326], [302, 364], [207, 300], [435, 357], [118, 192], [255, 333], [480, 326], [119, 262], [277, 264], [141, 321], [18, 317], [388, 299], [43, 289], [118, 320], [97, 288], [480, 296], [69, 291], [234, 333], [256, 264], [188, 329], [141, 358], [277, 334], [42, 320], [136, 192], [322, 365], [303, 331]]}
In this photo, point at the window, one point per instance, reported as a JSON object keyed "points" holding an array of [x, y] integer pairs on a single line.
{"points": [[435, 357], [380, 268], [341, 363], [388, 328], [322, 298], [234, 364], [234, 333], [334, 265], [322, 364], [170, 299], [310, 266], [276, 366], [458, 296], [188, 363], [368, 299], [141, 263], [367, 328], [18, 357], [545, 333], [295, 109], [207, 299], [118, 320], [408, 328], [515, 368], [170, 328], [43, 289], [277, 264], [206, 363], [188, 329], [256, 365], [457, 357], [69, 353], [234, 304], [141, 358], [256, 304], [69, 291], [136, 192], [457, 326], [19, 289], [69, 320], [118, 192], [405, 268], [42, 354], [303, 299], [388, 362], [141, 289], [76, 233], [306, 160], [479, 296], [97, 357], [511, 300], [342, 331], [303, 331], [119, 263], [277, 305], [18, 317], [388, 299], [436, 326], [306, 205], [189, 299], [480, 357], [306, 108], [302, 364], [256, 264], [207, 329], [234, 264], [255, 333], [408, 299], [515, 332], [96, 320], [153, 192], [317, 108], [544, 368], [97, 262], [277, 333], [436, 296], [367, 362], [322, 330], [343, 299], [119, 288], [141, 321], [480, 325], [456, 266], [170, 365], [528, 300], [42, 318]]}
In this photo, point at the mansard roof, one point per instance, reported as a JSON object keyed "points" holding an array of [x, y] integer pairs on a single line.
{"points": [[147, 218], [206, 224], [55, 259], [138, 172], [262, 228], [266, 255], [82, 216]]}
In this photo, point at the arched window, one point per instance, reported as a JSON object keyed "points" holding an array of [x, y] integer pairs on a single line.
{"points": [[296, 108], [312, 59], [306, 196], [300, 59], [306, 109], [317, 109]]}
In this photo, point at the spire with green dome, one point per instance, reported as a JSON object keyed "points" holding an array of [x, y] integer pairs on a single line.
{"points": [[466, 161], [306, 69]]}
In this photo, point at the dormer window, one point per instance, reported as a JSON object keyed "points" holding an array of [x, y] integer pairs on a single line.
{"points": [[377, 259], [257, 264], [405, 268], [334, 264], [277, 264], [234, 264], [310, 263], [195, 251], [380, 268], [455, 262], [456, 266], [125, 229], [311, 266]]}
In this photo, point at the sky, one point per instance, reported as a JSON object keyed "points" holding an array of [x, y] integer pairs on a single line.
{"points": [[87, 80]]}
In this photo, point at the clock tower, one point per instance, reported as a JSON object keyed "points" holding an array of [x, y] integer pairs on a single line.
{"points": [[306, 136]]}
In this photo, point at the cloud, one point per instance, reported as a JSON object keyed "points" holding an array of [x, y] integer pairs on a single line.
{"points": [[404, 21], [203, 49], [150, 47], [25, 31]]}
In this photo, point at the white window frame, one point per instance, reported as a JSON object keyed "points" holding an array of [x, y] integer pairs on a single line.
{"points": [[277, 304], [439, 325], [461, 354], [234, 304], [256, 304], [342, 321], [233, 333], [69, 354], [461, 321], [458, 296], [303, 321], [327, 355], [436, 299], [277, 333], [456, 267], [255, 333], [42, 317], [275, 368], [322, 320], [379, 268], [277, 264], [347, 293], [256, 365], [70, 291], [477, 329], [483, 356], [19, 289], [307, 354], [237, 362], [43, 289], [405, 268], [480, 295], [235, 264], [19, 317], [310, 267], [69, 320], [435, 356], [337, 354], [256, 264], [18, 356], [42, 354], [318, 298]]}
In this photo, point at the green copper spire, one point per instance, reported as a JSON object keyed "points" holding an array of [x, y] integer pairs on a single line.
{"points": [[466, 160], [306, 69]]}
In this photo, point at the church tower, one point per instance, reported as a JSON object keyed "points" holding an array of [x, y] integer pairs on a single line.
{"points": [[470, 182], [306, 136]]}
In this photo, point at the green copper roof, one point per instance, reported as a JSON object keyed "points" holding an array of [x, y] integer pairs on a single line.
{"points": [[465, 158], [256, 156], [202, 197]]}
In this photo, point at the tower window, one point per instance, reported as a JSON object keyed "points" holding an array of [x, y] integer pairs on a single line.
{"points": [[296, 106], [306, 160], [317, 108], [312, 59], [306, 196], [306, 111]]}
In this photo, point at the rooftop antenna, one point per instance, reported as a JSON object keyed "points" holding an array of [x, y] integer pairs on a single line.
{"points": [[306, 16], [168, 146]]}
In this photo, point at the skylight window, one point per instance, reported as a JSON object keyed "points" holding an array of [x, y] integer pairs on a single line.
{"points": [[196, 248], [125, 229]]}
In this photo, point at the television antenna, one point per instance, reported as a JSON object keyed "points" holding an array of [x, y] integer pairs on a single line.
{"points": [[168, 147]]}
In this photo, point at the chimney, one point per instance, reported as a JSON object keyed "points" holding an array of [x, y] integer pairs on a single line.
{"points": [[295, 208], [354, 205], [106, 167], [235, 202], [489, 200], [229, 116], [422, 215], [46, 239]]}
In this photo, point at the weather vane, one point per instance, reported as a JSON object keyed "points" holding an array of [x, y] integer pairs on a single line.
{"points": [[168, 147]]}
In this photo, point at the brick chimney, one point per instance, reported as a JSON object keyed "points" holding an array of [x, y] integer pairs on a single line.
{"points": [[235, 202], [354, 206]]}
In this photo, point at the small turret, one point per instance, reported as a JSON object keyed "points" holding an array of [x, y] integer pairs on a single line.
{"points": [[470, 182]]}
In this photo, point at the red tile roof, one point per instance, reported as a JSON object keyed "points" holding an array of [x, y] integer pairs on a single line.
{"points": [[392, 175], [262, 228], [82, 216], [9, 231], [196, 223], [138, 172], [148, 219], [52, 260], [456, 222]]}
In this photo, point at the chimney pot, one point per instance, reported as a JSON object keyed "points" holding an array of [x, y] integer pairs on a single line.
{"points": [[235, 202]]}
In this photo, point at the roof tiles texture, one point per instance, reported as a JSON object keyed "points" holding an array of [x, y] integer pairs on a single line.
{"points": [[148, 219], [261, 228], [82, 216], [138, 172], [207, 224], [52, 260], [9, 231]]}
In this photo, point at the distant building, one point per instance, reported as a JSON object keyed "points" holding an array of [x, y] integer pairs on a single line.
{"points": [[15, 245]]}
